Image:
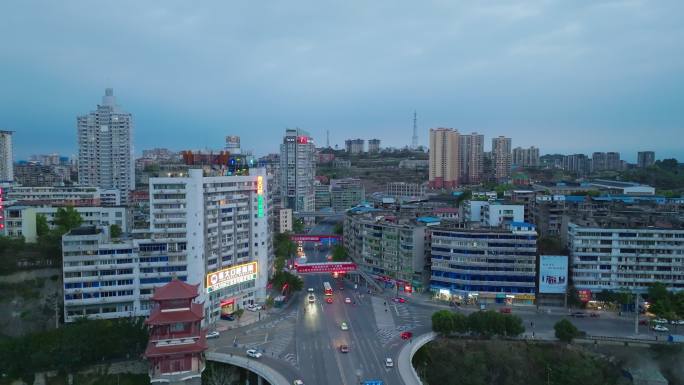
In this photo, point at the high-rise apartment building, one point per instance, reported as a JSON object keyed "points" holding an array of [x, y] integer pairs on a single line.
{"points": [[105, 147], [354, 146], [6, 157], [578, 163], [374, 146], [526, 157], [501, 156], [613, 161], [445, 160], [297, 170], [471, 151], [209, 230], [645, 159]]}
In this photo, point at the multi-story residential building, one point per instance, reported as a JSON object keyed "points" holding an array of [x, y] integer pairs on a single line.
{"points": [[613, 161], [233, 144], [471, 151], [606, 161], [578, 163], [388, 248], [492, 213], [209, 230], [445, 160], [20, 221], [6, 157], [63, 196], [484, 265], [105, 147], [625, 258], [354, 146], [373, 146], [526, 157], [527, 199], [414, 164], [501, 157], [283, 220], [297, 170], [405, 191], [645, 159], [323, 197], [346, 193], [34, 174]]}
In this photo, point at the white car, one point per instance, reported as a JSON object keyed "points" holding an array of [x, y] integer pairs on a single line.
{"points": [[660, 320], [677, 322], [344, 326], [389, 363], [253, 353], [347, 300], [660, 328], [298, 382], [253, 307], [311, 298], [213, 334], [310, 290]]}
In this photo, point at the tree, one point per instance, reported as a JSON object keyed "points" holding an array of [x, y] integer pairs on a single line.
{"points": [[42, 227], [566, 331], [67, 218], [443, 322], [298, 226], [339, 229], [339, 253], [279, 264], [238, 314], [284, 280], [115, 231]]}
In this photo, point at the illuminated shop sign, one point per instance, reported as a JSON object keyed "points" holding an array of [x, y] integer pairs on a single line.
{"points": [[260, 196], [231, 276], [302, 139]]}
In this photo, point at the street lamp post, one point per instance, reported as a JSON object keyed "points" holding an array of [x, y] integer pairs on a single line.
{"points": [[358, 376]]}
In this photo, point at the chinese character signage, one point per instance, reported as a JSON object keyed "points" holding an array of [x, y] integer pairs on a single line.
{"points": [[231, 276], [553, 274]]}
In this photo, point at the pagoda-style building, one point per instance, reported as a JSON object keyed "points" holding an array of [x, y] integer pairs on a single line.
{"points": [[175, 350]]}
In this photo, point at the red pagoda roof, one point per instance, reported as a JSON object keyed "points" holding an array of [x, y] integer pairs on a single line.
{"points": [[159, 317], [176, 289], [159, 351]]}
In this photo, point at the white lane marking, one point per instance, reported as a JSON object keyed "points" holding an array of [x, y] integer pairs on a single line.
{"points": [[266, 337]]}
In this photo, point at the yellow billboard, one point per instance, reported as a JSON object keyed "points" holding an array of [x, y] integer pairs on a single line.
{"points": [[231, 276]]}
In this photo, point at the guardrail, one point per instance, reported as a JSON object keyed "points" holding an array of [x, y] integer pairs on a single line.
{"points": [[263, 370]]}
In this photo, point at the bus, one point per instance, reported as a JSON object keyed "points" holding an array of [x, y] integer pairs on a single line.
{"points": [[327, 288]]}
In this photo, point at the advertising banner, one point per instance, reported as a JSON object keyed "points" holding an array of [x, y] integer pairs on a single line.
{"points": [[231, 276], [553, 274]]}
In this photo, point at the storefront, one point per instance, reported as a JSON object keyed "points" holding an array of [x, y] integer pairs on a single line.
{"points": [[228, 306]]}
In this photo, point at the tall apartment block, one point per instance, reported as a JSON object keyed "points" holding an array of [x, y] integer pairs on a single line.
{"points": [[297, 170], [105, 147], [605, 258], [578, 163], [6, 157], [207, 230], [354, 146], [501, 157], [484, 265], [445, 160], [645, 159], [606, 161], [471, 149], [526, 157], [374, 146]]}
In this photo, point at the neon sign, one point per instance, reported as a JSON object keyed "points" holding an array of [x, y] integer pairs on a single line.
{"points": [[260, 196], [231, 276], [302, 139]]}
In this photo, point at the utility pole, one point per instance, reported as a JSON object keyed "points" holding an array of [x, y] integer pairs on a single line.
{"points": [[636, 313], [414, 139]]}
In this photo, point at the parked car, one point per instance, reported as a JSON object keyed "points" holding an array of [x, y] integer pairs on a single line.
{"points": [[505, 310], [254, 307], [677, 322], [213, 334], [660, 321], [227, 317], [344, 348], [253, 353], [578, 314], [660, 328], [406, 335], [388, 362]]}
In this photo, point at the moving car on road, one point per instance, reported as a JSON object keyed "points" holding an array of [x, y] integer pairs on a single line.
{"points": [[310, 290], [311, 298], [388, 362], [578, 314], [660, 328], [677, 322], [399, 300], [213, 334], [344, 326], [253, 353], [344, 349], [406, 335], [347, 300], [298, 382], [329, 300], [505, 310], [227, 317]]}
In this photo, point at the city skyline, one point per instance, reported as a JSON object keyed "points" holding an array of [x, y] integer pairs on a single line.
{"points": [[548, 75]]}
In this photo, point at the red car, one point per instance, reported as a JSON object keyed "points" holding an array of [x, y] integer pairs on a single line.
{"points": [[328, 300], [406, 335], [505, 310], [399, 300]]}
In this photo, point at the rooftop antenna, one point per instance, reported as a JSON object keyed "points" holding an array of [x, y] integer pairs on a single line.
{"points": [[327, 138], [414, 139]]}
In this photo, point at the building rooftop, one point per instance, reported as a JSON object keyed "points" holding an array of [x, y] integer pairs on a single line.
{"points": [[85, 230], [176, 289]]}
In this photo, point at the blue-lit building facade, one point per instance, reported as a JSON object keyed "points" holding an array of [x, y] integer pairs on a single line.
{"points": [[484, 265]]}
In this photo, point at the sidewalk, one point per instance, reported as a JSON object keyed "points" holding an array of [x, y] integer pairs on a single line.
{"points": [[251, 317]]}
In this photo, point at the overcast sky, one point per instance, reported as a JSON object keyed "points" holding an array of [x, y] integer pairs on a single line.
{"points": [[566, 76]]}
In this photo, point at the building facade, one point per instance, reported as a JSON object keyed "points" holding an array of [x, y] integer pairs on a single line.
{"points": [[484, 265], [6, 157], [501, 158], [373, 146], [105, 147], [346, 193], [405, 191], [63, 196], [297, 170], [625, 258], [445, 161], [471, 150], [526, 157], [209, 230], [645, 159], [354, 146]]}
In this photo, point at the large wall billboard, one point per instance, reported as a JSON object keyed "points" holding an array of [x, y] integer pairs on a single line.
{"points": [[231, 276], [553, 274]]}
